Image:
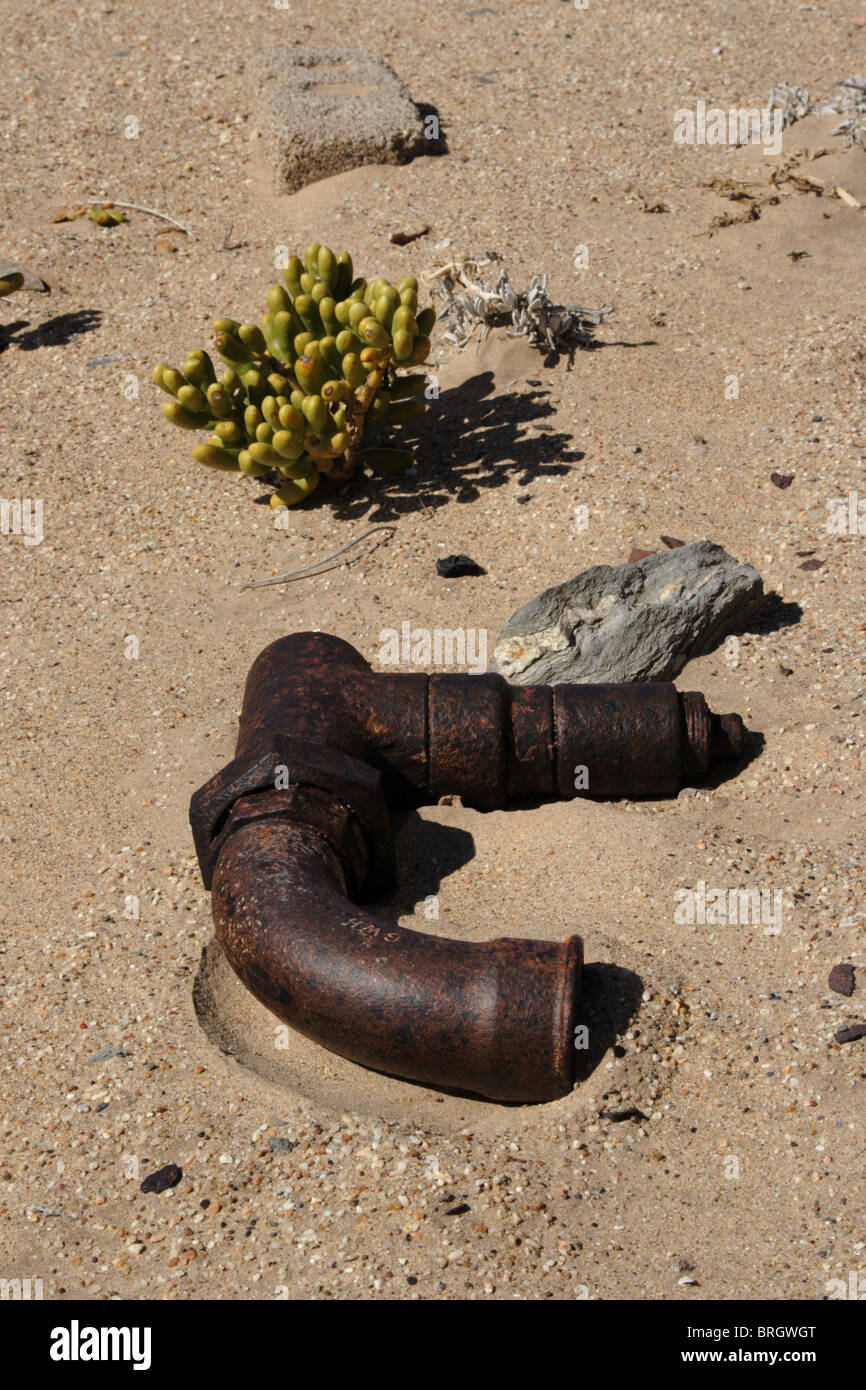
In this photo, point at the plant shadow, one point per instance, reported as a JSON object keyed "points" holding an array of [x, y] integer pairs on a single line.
{"points": [[53, 333], [471, 439]]}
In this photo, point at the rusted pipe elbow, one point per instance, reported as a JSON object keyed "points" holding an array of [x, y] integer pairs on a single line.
{"points": [[295, 832], [496, 1017]]}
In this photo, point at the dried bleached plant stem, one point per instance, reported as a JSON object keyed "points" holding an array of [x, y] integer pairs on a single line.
{"points": [[136, 207], [795, 103], [471, 303], [305, 570]]}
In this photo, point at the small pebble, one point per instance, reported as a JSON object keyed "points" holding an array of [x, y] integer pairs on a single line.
{"points": [[455, 566], [846, 1035], [162, 1179], [841, 979]]}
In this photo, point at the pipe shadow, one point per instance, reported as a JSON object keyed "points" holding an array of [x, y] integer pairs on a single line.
{"points": [[610, 997], [427, 853], [720, 773]]}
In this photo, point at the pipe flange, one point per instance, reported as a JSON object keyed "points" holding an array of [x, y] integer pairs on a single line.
{"points": [[288, 762], [697, 735], [306, 805]]}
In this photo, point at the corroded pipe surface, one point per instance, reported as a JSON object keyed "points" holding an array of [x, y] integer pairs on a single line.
{"points": [[295, 832], [496, 1017]]}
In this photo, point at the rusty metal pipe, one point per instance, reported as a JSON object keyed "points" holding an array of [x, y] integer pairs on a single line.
{"points": [[295, 831], [495, 1017]]}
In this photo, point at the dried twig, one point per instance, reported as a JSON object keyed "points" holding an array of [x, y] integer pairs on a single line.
{"points": [[227, 245], [136, 207], [292, 575]]}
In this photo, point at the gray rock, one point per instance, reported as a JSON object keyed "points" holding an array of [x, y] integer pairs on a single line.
{"points": [[325, 110], [631, 622]]}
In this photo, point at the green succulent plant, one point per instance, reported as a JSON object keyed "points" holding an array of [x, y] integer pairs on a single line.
{"points": [[328, 358]]}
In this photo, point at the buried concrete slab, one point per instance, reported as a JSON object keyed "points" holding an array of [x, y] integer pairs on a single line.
{"points": [[325, 110]]}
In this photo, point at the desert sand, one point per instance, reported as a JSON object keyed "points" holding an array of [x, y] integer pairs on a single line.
{"points": [[305, 1176]]}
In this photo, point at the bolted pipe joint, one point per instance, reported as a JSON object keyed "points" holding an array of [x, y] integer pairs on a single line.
{"points": [[295, 832]]}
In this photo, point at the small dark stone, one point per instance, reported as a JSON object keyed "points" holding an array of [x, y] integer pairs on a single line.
{"points": [[671, 542], [410, 1279], [846, 1035], [841, 979], [816, 419], [782, 479], [617, 1116], [280, 1145], [204, 1203], [812, 565], [637, 554], [786, 670], [459, 1210], [403, 238], [455, 566], [162, 1179]]}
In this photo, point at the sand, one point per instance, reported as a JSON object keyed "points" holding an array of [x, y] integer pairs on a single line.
{"points": [[304, 1175]]}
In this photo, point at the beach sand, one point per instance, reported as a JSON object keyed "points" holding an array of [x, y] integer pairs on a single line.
{"points": [[743, 1172]]}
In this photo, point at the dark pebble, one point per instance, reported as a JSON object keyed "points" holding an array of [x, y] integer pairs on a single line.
{"points": [[281, 1146], [786, 670], [617, 1116], [459, 1210], [846, 1035], [841, 979], [782, 479], [671, 542], [812, 565], [455, 566], [162, 1179]]}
